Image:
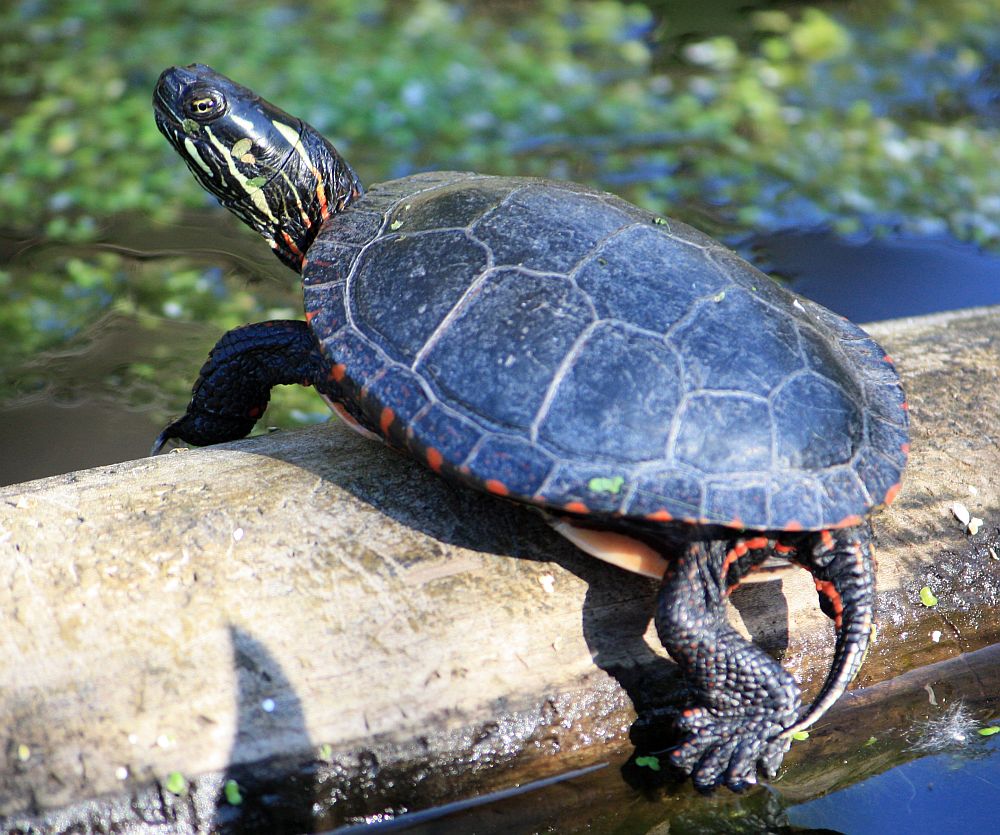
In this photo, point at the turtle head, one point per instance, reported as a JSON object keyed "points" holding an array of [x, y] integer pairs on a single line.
{"points": [[272, 170]]}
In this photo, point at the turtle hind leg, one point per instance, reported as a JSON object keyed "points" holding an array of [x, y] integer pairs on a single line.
{"points": [[743, 699], [843, 568], [234, 385]]}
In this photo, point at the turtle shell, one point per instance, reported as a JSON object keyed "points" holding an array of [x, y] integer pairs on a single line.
{"points": [[564, 348]]}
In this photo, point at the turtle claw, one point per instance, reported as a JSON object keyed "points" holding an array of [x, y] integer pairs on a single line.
{"points": [[728, 749], [185, 430], [168, 434], [202, 428]]}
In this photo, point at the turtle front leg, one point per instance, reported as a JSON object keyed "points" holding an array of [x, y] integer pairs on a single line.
{"points": [[234, 385], [744, 700]]}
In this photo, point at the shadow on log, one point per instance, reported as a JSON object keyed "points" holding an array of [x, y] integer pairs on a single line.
{"points": [[346, 636]]}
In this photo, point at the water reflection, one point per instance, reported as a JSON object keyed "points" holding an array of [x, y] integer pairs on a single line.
{"points": [[884, 278]]}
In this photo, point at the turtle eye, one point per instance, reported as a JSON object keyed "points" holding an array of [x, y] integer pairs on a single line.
{"points": [[205, 105]]}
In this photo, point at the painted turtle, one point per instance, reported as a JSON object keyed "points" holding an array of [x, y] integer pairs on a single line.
{"points": [[664, 403]]}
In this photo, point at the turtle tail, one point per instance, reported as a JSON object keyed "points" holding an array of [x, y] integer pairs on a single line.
{"points": [[843, 568]]}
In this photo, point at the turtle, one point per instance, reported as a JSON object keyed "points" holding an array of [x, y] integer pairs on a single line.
{"points": [[664, 404]]}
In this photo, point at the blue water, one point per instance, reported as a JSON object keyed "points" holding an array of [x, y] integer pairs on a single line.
{"points": [[883, 279], [946, 794]]}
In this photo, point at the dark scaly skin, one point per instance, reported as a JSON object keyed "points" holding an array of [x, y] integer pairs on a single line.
{"points": [[745, 704], [193, 108], [290, 180], [234, 385], [842, 563]]}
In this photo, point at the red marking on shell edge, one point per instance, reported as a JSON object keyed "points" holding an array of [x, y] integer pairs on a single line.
{"points": [[386, 419], [891, 493], [735, 522], [848, 521], [905, 448], [757, 543], [793, 525], [577, 507], [829, 590], [660, 516], [496, 487], [434, 459], [337, 372], [906, 406], [311, 314], [889, 359]]}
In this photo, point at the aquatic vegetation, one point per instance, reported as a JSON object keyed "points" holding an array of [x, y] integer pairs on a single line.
{"points": [[884, 121]]}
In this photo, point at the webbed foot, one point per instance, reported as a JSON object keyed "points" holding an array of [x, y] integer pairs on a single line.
{"points": [[721, 749]]}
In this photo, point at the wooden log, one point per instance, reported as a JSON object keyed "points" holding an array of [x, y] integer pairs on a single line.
{"points": [[347, 635]]}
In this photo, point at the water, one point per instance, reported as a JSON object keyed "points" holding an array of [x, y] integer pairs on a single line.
{"points": [[947, 794], [886, 278]]}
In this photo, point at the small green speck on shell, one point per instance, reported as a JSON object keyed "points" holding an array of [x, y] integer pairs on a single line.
{"points": [[606, 485], [800, 735], [175, 783], [395, 224], [326, 751], [992, 729], [652, 763], [232, 791], [23, 753], [927, 597], [661, 221], [718, 297]]}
